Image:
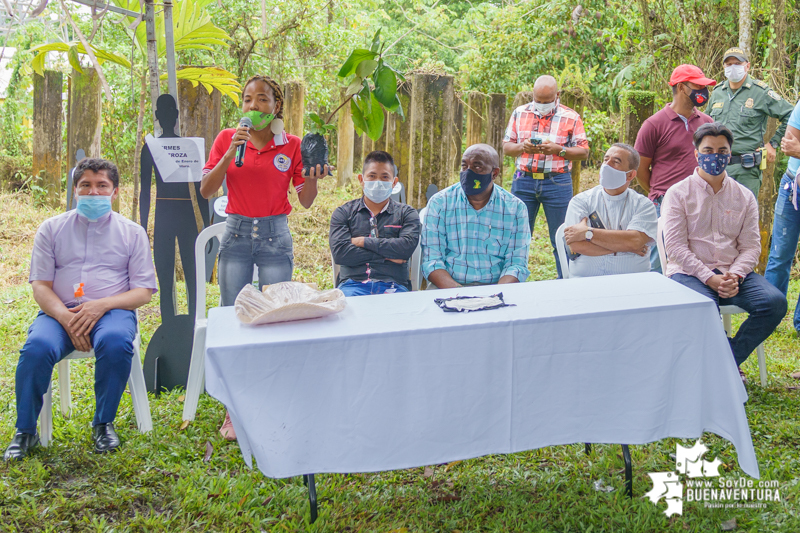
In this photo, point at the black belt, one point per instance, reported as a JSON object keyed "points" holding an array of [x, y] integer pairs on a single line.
{"points": [[752, 159]]}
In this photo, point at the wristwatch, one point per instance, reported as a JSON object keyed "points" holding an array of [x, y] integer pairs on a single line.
{"points": [[563, 152], [589, 235]]}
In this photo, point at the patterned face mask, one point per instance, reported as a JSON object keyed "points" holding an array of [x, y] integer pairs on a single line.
{"points": [[260, 120], [474, 183], [714, 164]]}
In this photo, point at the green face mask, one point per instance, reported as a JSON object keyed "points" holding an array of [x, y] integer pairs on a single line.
{"points": [[260, 120]]}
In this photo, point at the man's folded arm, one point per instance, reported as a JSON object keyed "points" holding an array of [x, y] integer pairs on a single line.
{"points": [[343, 250], [402, 246]]}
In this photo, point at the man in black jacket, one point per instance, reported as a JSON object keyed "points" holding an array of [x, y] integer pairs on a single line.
{"points": [[373, 237]]}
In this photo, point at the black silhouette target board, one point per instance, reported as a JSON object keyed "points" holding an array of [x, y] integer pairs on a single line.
{"points": [[166, 363]]}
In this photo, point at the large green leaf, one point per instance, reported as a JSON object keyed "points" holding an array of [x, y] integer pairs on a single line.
{"points": [[356, 57], [72, 55], [73, 50], [366, 68], [374, 120], [385, 85], [358, 116], [211, 78]]}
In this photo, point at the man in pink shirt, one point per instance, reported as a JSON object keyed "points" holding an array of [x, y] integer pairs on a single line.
{"points": [[90, 269], [713, 243]]}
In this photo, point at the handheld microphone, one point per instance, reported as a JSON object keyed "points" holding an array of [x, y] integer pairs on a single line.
{"points": [[240, 149]]}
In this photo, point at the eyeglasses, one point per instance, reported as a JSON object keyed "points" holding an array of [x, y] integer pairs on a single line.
{"points": [[373, 232]]}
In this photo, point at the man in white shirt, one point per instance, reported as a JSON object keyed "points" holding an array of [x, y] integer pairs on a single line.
{"points": [[611, 226]]}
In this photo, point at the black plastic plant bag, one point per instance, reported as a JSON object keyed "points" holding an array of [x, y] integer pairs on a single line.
{"points": [[314, 151]]}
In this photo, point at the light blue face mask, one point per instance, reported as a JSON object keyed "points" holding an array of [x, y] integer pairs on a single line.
{"points": [[377, 190], [93, 206]]}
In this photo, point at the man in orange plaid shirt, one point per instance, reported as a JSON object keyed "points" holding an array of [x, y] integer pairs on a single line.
{"points": [[545, 136]]}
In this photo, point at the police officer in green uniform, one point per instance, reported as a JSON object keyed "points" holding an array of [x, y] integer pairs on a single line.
{"points": [[744, 104]]}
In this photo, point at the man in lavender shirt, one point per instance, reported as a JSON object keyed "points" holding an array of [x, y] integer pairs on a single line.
{"points": [[90, 269]]}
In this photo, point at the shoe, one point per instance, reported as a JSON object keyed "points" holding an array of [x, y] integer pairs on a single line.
{"points": [[744, 378], [20, 446], [227, 430], [105, 438]]}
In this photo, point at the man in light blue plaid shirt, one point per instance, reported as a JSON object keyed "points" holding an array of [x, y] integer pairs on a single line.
{"points": [[475, 232]]}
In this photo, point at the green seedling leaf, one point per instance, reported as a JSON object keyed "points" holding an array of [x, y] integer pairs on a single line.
{"points": [[376, 41], [355, 86], [356, 57], [375, 120], [366, 68], [358, 116], [385, 86]]}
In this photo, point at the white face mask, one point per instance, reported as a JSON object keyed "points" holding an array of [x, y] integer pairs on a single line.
{"points": [[544, 109], [611, 178], [377, 190], [735, 73]]}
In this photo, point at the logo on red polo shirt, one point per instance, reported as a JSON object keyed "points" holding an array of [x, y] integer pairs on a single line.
{"points": [[282, 162]]}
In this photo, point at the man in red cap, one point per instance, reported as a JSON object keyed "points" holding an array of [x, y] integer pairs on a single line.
{"points": [[665, 142]]}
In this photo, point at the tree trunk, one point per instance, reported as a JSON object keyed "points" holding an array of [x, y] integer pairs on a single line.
{"points": [[344, 145], [744, 26], [766, 202], [456, 149], [294, 107], [432, 112], [576, 103], [47, 122], [138, 151]]}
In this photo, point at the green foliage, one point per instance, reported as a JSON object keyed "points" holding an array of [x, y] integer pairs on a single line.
{"points": [[372, 90], [73, 49], [319, 126]]}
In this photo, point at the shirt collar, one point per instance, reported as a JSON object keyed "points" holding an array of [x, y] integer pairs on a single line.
{"points": [[387, 208], [698, 179], [673, 115], [462, 196]]}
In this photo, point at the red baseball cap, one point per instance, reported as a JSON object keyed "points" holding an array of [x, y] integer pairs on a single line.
{"points": [[690, 73]]}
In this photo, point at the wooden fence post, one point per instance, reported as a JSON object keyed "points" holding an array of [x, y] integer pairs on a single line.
{"points": [[200, 112], [496, 127], [344, 144], [476, 118], [294, 93], [432, 113], [456, 148], [85, 126], [398, 134], [636, 107], [47, 122]]}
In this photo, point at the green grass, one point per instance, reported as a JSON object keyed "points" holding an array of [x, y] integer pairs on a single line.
{"points": [[159, 481]]}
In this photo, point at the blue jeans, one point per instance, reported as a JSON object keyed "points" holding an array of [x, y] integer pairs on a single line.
{"points": [[554, 193], [352, 287], [48, 343], [785, 235], [264, 242], [655, 261], [765, 305]]}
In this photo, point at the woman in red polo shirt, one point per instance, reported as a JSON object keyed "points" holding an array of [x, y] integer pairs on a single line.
{"points": [[257, 232]]}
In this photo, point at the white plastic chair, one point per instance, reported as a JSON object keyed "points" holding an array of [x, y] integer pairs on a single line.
{"points": [[197, 379], [562, 251], [725, 310], [136, 385]]}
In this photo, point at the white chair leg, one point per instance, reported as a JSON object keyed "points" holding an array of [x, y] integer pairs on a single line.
{"points": [[46, 418], [726, 323], [762, 364], [141, 404], [64, 388], [196, 381]]}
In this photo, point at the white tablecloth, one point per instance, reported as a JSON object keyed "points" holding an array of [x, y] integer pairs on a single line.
{"points": [[394, 382]]}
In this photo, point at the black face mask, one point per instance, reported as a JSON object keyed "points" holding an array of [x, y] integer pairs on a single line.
{"points": [[474, 183], [699, 97]]}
